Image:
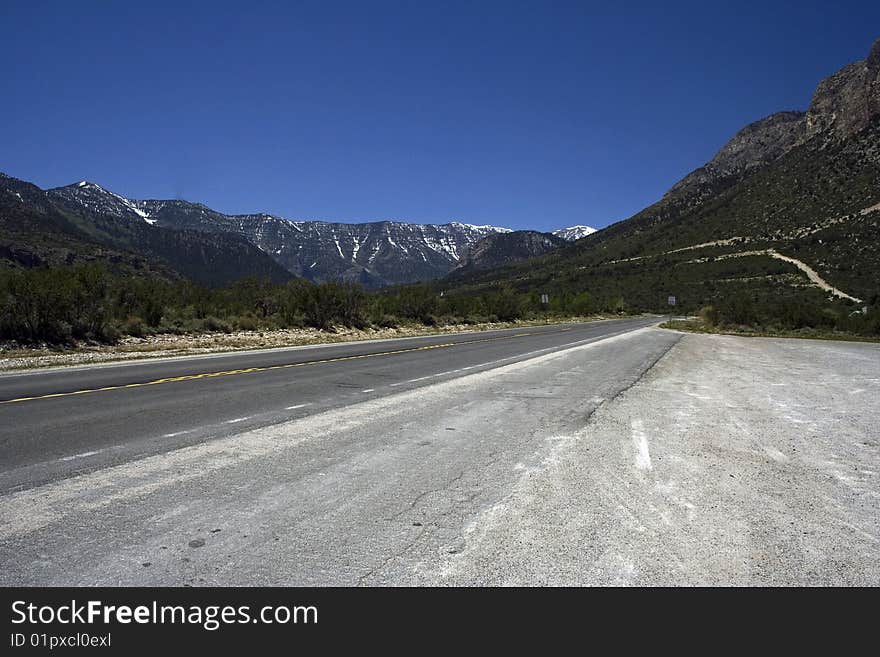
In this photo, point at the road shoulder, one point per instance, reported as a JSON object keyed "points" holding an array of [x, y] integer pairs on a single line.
{"points": [[733, 461]]}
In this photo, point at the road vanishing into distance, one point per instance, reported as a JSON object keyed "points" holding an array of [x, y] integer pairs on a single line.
{"points": [[612, 452], [68, 420]]}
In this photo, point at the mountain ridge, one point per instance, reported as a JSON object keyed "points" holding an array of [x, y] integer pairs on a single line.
{"points": [[41, 229], [376, 254]]}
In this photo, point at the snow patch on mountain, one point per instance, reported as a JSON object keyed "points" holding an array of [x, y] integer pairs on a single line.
{"points": [[483, 229], [573, 233], [94, 197]]}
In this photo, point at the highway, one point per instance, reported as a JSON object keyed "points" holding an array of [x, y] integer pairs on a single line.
{"points": [[611, 453], [66, 421], [355, 464]]}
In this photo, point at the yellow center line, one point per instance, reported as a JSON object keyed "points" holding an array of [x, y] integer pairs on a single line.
{"points": [[250, 370]]}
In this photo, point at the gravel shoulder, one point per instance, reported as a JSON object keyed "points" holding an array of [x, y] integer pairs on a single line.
{"points": [[734, 461]]}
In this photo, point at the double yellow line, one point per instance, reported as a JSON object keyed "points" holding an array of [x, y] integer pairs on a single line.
{"points": [[250, 370]]}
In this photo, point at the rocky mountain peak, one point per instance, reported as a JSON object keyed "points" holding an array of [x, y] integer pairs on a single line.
{"points": [[757, 144], [374, 253], [843, 104], [95, 198], [847, 101]]}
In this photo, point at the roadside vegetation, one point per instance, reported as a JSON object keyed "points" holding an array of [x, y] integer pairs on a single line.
{"points": [[796, 319], [65, 306], [81, 304]]}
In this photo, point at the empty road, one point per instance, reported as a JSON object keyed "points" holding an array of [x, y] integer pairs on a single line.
{"points": [[55, 423], [610, 453]]}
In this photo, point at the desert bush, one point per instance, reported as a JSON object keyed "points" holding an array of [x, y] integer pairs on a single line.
{"points": [[387, 321], [709, 316], [66, 304], [245, 323], [215, 324], [134, 326]]}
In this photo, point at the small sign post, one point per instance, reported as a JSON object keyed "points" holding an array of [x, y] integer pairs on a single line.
{"points": [[545, 299], [671, 302]]}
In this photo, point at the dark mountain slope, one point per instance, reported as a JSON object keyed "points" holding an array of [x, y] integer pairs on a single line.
{"points": [[45, 229], [34, 232], [505, 248]]}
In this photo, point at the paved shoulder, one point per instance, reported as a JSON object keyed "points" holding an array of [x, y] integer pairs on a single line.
{"points": [[734, 461]]}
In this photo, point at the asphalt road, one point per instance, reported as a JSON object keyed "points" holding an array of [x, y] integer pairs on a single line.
{"points": [[66, 421], [360, 488], [603, 454]]}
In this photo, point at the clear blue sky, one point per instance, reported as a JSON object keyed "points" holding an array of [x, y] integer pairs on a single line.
{"points": [[524, 114]]}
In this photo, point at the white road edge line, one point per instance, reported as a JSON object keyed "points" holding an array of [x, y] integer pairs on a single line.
{"points": [[238, 419], [174, 434], [81, 455], [296, 406], [502, 360], [368, 390]]}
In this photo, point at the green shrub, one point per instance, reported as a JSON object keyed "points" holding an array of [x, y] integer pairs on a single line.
{"points": [[738, 310]]}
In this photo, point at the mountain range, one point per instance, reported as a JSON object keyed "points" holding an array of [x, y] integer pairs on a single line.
{"points": [[375, 254], [788, 208]]}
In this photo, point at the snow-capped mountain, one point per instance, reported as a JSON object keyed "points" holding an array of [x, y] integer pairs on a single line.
{"points": [[375, 254], [573, 233], [97, 199], [40, 228]]}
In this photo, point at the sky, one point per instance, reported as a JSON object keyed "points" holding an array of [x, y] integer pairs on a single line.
{"points": [[521, 114]]}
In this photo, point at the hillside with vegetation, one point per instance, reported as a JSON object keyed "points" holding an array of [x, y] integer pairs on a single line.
{"points": [[803, 186]]}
